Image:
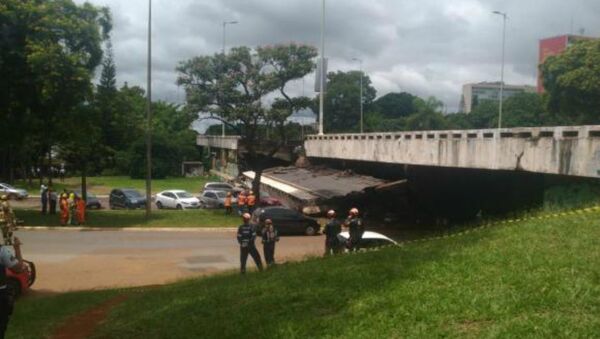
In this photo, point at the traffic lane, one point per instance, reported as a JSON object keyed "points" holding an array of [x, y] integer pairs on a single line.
{"points": [[35, 203], [82, 260]]}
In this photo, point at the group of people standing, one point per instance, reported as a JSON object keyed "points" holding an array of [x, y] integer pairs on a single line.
{"points": [[247, 233], [246, 202], [72, 207], [246, 236]]}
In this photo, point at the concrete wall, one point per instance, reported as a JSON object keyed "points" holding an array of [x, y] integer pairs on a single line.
{"points": [[226, 142], [554, 150]]}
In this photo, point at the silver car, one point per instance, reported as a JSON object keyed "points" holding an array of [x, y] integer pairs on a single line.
{"points": [[213, 199], [12, 192]]}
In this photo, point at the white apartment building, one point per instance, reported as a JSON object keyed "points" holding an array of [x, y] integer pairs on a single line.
{"points": [[474, 93]]}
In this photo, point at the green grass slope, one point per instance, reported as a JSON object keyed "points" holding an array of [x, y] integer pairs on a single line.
{"points": [[534, 278], [538, 278]]}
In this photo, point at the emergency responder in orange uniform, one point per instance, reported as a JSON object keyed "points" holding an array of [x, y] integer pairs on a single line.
{"points": [[80, 207], [241, 202], [64, 209], [251, 202]]}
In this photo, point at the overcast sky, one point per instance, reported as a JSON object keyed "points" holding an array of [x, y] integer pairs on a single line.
{"points": [[425, 47]]}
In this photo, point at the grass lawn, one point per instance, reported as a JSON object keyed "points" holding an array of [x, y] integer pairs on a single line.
{"points": [[136, 218], [534, 278], [103, 185]]}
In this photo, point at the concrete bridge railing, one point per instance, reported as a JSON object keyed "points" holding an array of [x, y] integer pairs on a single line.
{"points": [[573, 150]]}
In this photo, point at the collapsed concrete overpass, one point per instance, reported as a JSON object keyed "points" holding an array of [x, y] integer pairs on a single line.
{"points": [[571, 151]]}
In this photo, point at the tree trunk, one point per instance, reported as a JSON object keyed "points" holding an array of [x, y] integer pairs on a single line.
{"points": [[84, 182], [49, 167], [256, 182]]}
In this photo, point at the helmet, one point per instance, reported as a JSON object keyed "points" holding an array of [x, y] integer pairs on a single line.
{"points": [[268, 221], [246, 216], [251, 192], [228, 194], [64, 195], [3, 197], [331, 213], [354, 211]]}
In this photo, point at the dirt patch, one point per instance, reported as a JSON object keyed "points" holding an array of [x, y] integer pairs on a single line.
{"points": [[82, 325]]}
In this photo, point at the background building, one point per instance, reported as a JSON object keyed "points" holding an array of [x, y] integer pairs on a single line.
{"points": [[554, 46], [475, 93]]}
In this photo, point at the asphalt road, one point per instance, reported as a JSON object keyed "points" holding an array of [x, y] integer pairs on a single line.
{"points": [[78, 260]]}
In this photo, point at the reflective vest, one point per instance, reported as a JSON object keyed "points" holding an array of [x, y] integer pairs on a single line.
{"points": [[241, 200]]}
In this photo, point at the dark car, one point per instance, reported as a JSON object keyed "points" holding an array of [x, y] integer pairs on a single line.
{"points": [[92, 201], [126, 198], [286, 220]]}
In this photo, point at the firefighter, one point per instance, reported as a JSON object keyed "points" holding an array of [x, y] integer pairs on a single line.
{"points": [[246, 235], [7, 220], [80, 207], [355, 228], [332, 230], [241, 202], [269, 237], [64, 209], [227, 203], [251, 202]]}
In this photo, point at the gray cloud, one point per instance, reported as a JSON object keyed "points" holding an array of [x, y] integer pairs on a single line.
{"points": [[426, 47]]}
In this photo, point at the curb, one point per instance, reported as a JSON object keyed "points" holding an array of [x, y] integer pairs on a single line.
{"points": [[127, 229]]}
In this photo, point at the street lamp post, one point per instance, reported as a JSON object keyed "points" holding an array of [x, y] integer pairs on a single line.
{"points": [[225, 23], [360, 62], [322, 75], [504, 17], [149, 116]]}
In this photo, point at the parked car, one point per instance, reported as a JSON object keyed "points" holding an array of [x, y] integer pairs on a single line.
{"points": [[214, 199], [266, 200], [19, 283], [177, 199], [126, 198], [91, 202], [13, 192], [369, 239], [218, 186], [286, 220]]}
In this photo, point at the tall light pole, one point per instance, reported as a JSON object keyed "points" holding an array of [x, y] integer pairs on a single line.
{"points": [[360, 62], [504, 17], [322, 73], [149, 117], [225, 23]]}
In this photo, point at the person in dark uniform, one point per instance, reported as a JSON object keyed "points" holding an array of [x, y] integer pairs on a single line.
{"points": [[356, 230], [15, 263], [269, 237], [331, 231], [246, 235]]}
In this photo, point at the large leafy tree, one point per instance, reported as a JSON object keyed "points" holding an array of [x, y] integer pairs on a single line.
{"points": [[395, 105], [49, 50], [342, 101], [236, 87], [572, 80]]}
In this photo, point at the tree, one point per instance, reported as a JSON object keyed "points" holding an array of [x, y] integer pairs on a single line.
{"points": [[342, 101], [572, 80], [233, 87], [428, 117], [49, 50], [395, 105]]}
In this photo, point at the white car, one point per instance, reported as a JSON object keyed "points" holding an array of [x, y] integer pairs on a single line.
{"points": [[177, 199], [12, 192], [369, 239]]}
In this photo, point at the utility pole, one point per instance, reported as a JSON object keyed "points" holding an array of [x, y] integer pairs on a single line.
{"points": [[361, 93], [504, 17], [223, 50], [322, 75], [149, 117]]}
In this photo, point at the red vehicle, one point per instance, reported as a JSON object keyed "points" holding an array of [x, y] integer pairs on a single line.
{"points": [[266, 200], [19, 283]]}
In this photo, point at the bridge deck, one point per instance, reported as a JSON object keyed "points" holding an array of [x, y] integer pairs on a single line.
{"points": [[573, 150]]}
